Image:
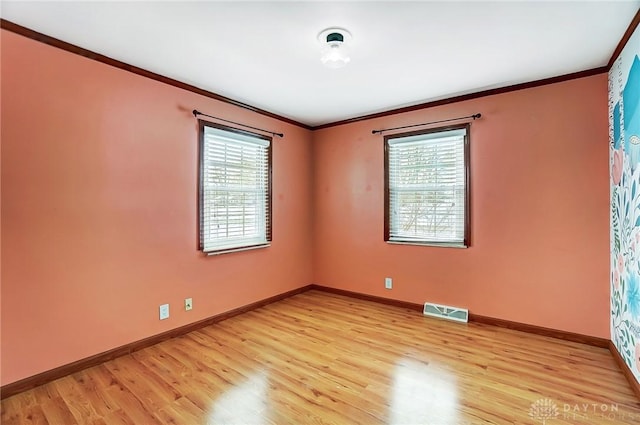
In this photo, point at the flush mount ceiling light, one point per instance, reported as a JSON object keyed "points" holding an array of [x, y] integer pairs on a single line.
{"points": [[335, 49]]}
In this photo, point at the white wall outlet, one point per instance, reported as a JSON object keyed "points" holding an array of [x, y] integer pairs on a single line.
{"points": [[188, 304], [388, 283], [164, 311]]}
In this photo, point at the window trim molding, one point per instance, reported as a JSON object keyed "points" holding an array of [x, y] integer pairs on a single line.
{"points": [[467, 181], [200, 200]]}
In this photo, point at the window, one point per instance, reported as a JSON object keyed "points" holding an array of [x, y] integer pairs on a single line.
{"points": [[426, 187], [235, 189]]}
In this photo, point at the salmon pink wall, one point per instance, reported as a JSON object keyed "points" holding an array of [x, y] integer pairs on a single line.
{"points": [[99, 175], [539, 211]]}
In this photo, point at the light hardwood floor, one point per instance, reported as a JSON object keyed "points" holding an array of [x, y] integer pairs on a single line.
{"points": [[320, 358]]}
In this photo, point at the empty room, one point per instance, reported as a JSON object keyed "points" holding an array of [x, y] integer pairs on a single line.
{"points": [[308, 212]]}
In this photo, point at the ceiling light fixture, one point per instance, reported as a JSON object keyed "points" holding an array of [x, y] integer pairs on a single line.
{"points": [[335, 49]]}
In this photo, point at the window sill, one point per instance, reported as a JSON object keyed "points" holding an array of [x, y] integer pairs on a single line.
{"points": [[437, 244], [239, 249]]}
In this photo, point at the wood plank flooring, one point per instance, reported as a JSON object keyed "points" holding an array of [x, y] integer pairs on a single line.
{"points": [[320, 358]]}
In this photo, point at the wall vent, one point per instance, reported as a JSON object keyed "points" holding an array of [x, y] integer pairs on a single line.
{"points": [[446, 312]]}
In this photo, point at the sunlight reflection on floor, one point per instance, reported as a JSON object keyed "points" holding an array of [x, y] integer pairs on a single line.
{"points": [[246, 403], [423, 393]]}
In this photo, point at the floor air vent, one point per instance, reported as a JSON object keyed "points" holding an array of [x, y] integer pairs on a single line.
{"points": [[446, 312]]}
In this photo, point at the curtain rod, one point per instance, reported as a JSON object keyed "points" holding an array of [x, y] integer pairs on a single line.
{"points": [[474, 116], [196, 113]]}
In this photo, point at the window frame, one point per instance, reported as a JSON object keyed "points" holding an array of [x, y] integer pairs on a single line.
{"points": [[467, 188], [202, 124]]}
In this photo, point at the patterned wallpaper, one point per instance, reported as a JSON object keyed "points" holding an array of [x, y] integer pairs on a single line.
{"points": [[624, 160]]}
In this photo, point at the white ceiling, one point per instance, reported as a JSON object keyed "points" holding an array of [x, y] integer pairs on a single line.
{"points": [[266, 54]]}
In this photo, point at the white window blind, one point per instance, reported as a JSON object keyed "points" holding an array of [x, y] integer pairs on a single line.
{"points": [[427, 188], [234, 191]]}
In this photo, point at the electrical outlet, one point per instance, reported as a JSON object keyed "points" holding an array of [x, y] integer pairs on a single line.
{"points": [[388, 283], [164, 311], [188, 304]]}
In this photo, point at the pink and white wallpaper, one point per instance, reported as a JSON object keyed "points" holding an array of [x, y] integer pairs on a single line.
{"points": [[624, 160]]}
